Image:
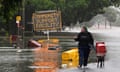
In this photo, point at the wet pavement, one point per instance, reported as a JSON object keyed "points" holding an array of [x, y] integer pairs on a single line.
{"points": [[12, 61], [112, 41]]}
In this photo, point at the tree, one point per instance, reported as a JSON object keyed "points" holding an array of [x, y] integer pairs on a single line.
{"points": [[115, 2], [84, 10], [8, 8], [111, 14], [72, 10], [43, 4]]}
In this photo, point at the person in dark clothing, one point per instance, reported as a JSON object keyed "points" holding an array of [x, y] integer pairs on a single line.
{"points": [[85, 40]]}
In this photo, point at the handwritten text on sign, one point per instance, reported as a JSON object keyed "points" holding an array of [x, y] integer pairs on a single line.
{"points": [[46, 21]]}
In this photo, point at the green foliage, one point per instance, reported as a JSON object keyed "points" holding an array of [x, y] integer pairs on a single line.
{"points": [[115, 2], [8, 8], [43, 4], [72, 10], [110, 14]]}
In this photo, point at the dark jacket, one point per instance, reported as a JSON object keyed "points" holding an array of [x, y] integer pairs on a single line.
{"points": [[85, 39]]}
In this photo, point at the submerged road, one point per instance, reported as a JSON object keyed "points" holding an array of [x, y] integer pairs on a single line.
{"points": [[12, 61]]}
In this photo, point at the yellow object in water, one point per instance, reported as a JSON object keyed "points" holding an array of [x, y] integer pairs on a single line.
{"points": [[70, 55], [50, 40], [69, 64], [71, 58]]}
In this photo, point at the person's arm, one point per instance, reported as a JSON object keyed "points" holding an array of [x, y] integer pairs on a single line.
{"points": [[78, 37], [91, 39], [92, 42]]}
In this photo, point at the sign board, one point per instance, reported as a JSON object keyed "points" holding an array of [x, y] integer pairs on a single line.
{"points": [[47, 20]]}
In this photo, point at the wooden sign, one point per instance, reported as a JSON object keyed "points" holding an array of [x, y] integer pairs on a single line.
{"points": [[47, 20]]}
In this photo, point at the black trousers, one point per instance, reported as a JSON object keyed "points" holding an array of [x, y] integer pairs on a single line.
{"points": [[83, 56]]}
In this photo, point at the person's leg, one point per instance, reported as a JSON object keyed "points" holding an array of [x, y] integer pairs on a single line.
{"points": [[81, 57], [98, 60], [103, 61], [86, 55]]}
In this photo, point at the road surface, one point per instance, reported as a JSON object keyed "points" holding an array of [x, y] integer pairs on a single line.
{"points": [[112, 39]]}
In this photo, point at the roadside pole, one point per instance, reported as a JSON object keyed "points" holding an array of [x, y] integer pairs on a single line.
{"points": [[48, 38], [18, 25], [23, 19], [18, 19], [48, 35]]}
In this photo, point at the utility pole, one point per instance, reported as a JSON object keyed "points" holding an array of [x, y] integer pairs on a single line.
{"points": [[23, 19]]}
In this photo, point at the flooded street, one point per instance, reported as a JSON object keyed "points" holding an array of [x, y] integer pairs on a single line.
{"points": [[43, 35], [11, 61], [25, 61], [29, 60]]}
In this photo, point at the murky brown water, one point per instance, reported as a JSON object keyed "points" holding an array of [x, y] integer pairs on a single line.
{"points": [[25, 61]]}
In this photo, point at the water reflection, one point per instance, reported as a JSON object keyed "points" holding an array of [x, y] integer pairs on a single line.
{"points": [[38, 60], [46, 59]]}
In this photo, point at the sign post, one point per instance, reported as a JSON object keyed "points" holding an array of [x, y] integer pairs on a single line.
{"points": [[46, 21], [48, 36], [18, 19]]}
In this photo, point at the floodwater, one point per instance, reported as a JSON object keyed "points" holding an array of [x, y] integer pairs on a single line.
{"points": [[11, 61], [25, 61], [28, 61]]}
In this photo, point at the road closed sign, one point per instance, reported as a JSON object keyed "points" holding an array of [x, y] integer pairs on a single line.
{"points": [[47, 20]]}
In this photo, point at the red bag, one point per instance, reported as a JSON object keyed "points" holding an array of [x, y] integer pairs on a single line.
{"points": [[100, 47]]}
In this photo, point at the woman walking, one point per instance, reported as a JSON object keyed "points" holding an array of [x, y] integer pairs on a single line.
{"points": [[85, 40]]}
